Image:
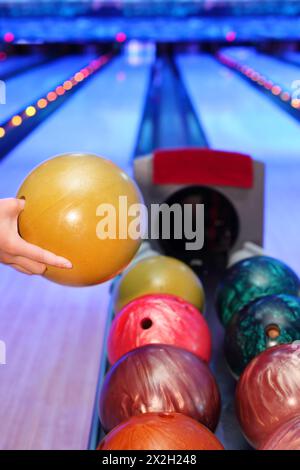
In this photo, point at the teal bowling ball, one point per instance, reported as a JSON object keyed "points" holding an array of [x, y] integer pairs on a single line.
{"points": [[251, 279], [264, 323]]}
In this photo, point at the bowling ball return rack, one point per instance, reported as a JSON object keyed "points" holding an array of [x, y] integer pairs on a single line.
{"points": [[228, 429]]}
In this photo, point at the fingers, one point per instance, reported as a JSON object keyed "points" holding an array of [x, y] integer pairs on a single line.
{"points": [[14, 206], [20, 269], [29, 257], [19, 205], [27, 265], [31, 266], [35, 253]]}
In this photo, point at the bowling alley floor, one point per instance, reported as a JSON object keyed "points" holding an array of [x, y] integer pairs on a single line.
{"points": [[54, 335]]}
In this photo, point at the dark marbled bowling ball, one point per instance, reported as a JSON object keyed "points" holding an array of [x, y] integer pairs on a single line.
{"points": [[268, 392], [159, 378], [251, 279], [264, 323], [160, 431]]}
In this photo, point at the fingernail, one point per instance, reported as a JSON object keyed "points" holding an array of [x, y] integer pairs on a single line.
{"points": [[67, 264]]}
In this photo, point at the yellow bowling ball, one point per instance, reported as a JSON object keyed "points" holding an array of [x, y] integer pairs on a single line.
{"points": [[159, 274], [63, 196]]}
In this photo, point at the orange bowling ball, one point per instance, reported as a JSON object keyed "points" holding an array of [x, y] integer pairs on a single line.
{"points": [[160, 431], [63, 214]]}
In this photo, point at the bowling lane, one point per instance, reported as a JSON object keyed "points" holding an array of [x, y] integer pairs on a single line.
{"points": [[236, 116], [281, 73], [54, 334], [292, 56], [29, 86], [103, 118], [15, 63]]}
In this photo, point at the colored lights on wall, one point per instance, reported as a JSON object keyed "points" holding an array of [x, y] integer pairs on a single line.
{"points": [[30, 111], [42, 103], [9, 37], [53, 95], [260, 80], [285, 96], [295, 103], [60, 91], [121, 37], [230, 36], [68, 85], [16, 121]]}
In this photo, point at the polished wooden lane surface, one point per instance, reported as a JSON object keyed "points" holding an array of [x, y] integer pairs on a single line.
{"points": [[53, 337]]}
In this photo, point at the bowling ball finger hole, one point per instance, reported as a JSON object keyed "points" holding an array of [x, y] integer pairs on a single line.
{"points": [[272, 331], [146, 323]]}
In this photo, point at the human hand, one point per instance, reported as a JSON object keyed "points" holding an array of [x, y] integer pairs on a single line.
{"points": [[16, 252]]}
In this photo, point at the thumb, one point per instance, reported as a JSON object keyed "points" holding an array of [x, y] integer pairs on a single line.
{"points": [[15, 207], [19, 205]]}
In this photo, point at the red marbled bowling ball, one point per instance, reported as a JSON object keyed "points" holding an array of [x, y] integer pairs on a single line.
{"points": [[159, 318], [158, 378], [160, 431], [286, 437], [268, 392]]}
